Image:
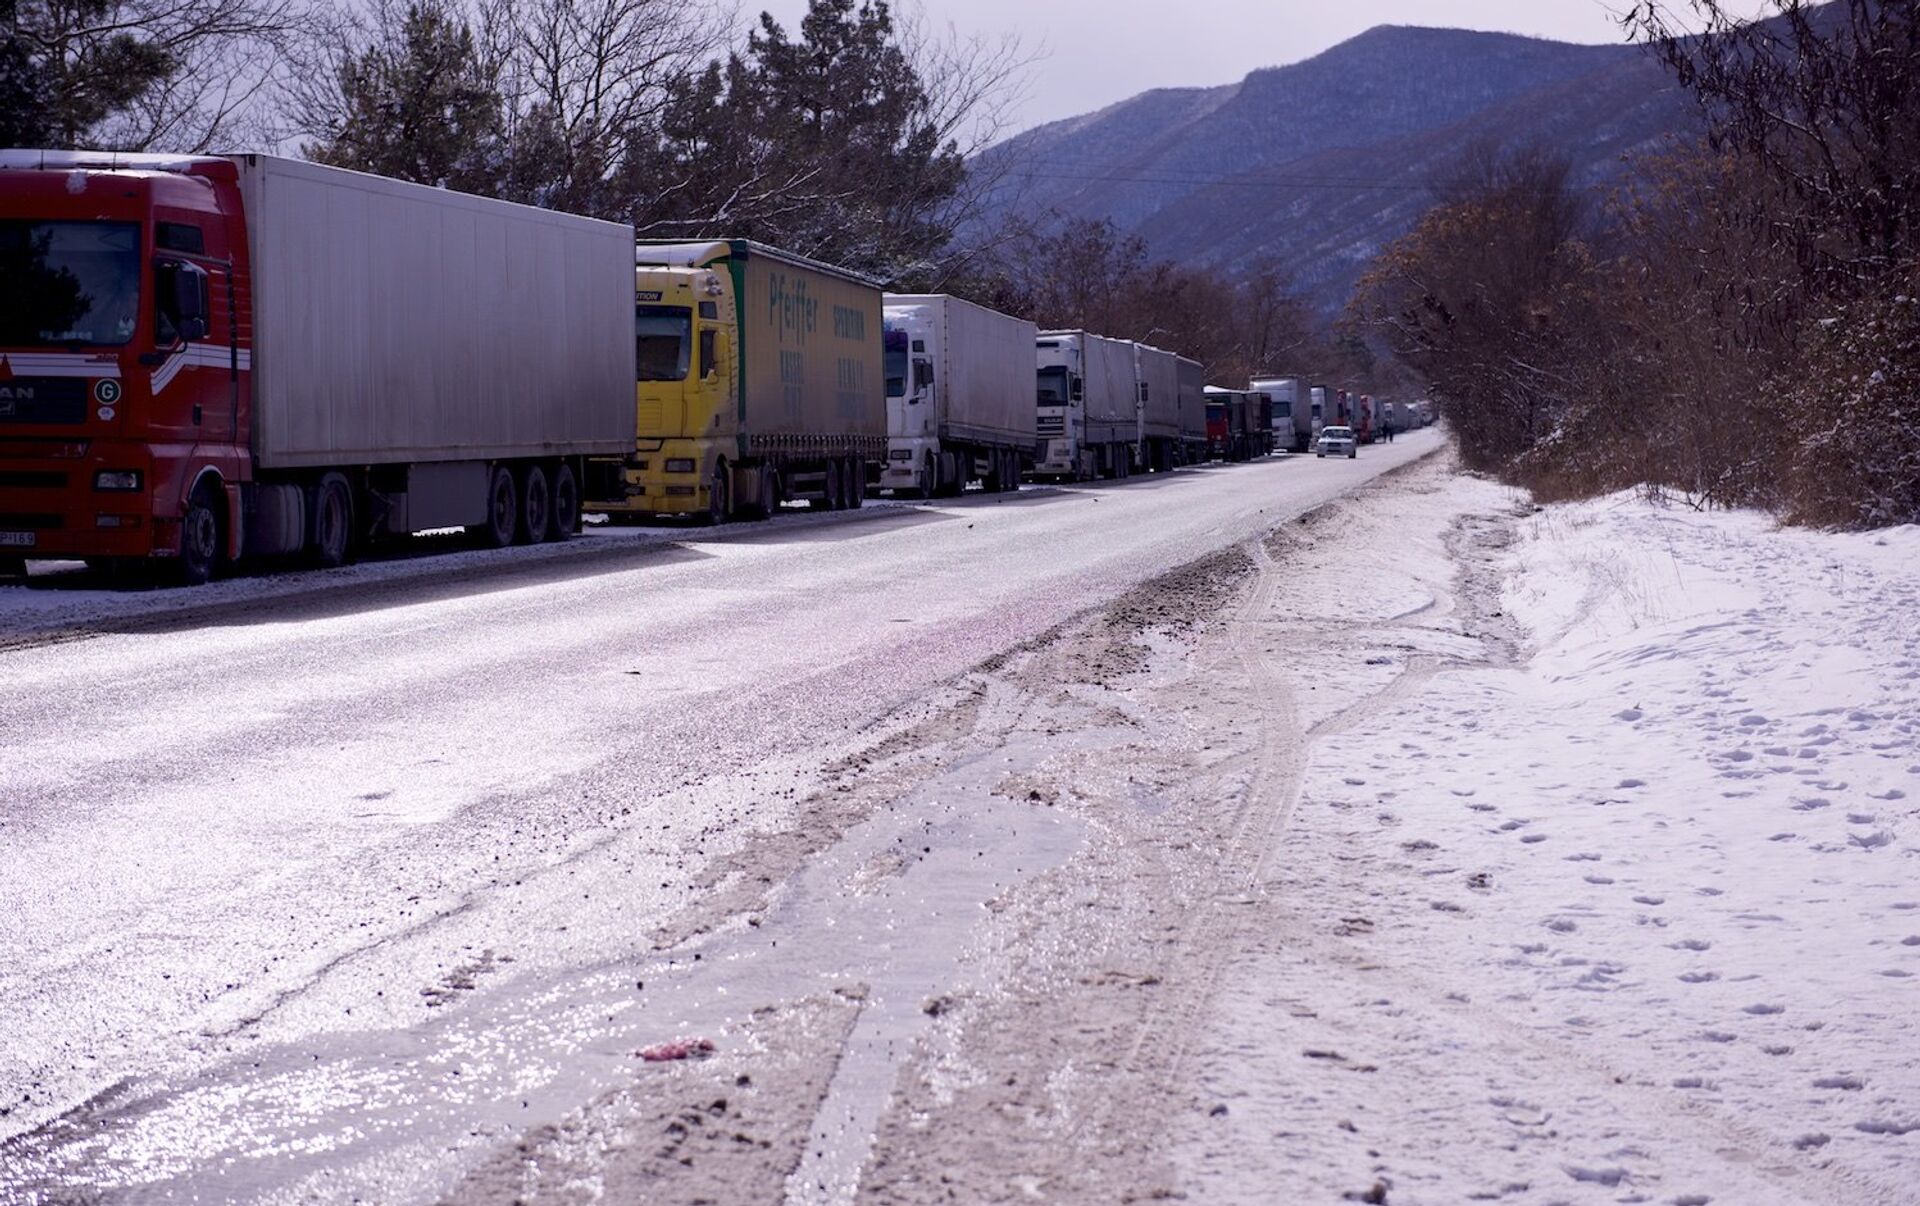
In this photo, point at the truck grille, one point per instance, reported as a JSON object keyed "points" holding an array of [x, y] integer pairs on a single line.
{"points": [[1052, 425], [31, 523], [32, 479]]}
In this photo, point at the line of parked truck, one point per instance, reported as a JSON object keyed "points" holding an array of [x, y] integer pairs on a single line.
{"points": [[208, 358]]}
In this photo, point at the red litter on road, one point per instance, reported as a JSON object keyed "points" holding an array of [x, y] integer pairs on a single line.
{"points": [[661, 1053]]}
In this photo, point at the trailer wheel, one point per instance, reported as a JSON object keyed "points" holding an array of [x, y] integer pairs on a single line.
{"points": [[202, 536], [856, 483], [16, 567], [332, 522], [565, 507], [536, 506], [503, 510]]}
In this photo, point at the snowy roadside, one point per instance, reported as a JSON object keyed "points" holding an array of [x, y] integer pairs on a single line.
{"points": [[1603, 883]]}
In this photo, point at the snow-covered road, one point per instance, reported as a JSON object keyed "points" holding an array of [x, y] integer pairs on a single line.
{"points": [[261, 842]]}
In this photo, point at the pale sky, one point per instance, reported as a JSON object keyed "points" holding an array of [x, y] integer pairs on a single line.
{"points": [[1101, 51]]}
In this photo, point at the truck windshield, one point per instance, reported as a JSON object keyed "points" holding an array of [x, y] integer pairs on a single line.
{"points": [[1053, 386], [663, 342], [68, 284]]}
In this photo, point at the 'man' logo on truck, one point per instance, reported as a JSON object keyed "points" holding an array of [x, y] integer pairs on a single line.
{"points": [[791, 308], [16, 393]]}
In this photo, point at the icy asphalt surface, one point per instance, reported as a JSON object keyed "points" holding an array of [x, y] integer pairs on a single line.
{"points": [[333, 884]]}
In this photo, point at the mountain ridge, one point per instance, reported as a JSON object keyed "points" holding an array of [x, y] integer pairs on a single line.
{"points": [[1316, 165]]}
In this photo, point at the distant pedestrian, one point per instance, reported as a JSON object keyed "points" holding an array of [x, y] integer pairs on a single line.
{"points": [[1389, 433]]}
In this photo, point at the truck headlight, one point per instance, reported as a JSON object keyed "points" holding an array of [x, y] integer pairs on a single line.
{"points": [[679, 464], [117, 479]]}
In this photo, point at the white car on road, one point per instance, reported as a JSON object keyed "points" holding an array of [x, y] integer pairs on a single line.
{"points": [[1337, 441]]}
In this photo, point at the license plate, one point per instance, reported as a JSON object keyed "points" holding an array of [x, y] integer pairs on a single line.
{"points": [[16, 540]]}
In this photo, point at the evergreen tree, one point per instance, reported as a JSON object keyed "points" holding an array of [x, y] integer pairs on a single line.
{"points": [[67, 66], [418, 106], [824, 144]]}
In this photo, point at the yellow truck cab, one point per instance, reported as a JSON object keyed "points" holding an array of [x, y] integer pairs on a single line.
{"points": [[759, 381]]}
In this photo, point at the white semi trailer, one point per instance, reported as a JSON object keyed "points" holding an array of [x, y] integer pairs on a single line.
{"points": [[1157, 373], [1088, 409], [1293, 414], [959, 395]]}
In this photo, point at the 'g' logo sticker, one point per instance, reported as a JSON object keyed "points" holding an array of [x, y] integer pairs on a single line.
{"points": [[106, 391]]}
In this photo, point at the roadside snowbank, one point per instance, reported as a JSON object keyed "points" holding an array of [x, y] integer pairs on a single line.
{"points": [[1619, 903]]}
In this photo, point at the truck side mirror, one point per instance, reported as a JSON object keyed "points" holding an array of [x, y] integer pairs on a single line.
{"points": [[1077, 391], [182, 291]]}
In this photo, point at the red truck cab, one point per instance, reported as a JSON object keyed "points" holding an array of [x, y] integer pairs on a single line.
{"points": [[124, 358]]}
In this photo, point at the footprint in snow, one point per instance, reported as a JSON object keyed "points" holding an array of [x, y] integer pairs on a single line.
{"points": [[1861, 818], [1691, 944], [1600, 880], [1738, 756], [1812, 804], [1650, 900], [1628, 714], [1752, 721], [1531, 838], [1910, 940], [1851, 1084], [1871, 841], [1633, 783], [1699, 977], [1763, 1009], [1710, 891], [1510, 826], [1892, 793], [1717, 1036], [1560, 925], [1812, 1140], [1881, 1126], [1777, 1049]]}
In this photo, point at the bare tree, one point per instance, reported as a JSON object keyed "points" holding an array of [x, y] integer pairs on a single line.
{"points": [[975, 85], [583, 80], [1826, 96]]}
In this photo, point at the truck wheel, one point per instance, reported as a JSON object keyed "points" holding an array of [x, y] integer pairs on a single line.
{"points": [[536, 506], [719, 498], [1012, 475], [503, 511], [16, 567], [202, 536], [836, 485], [565, 507], [332, 522], [856, 483]]}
